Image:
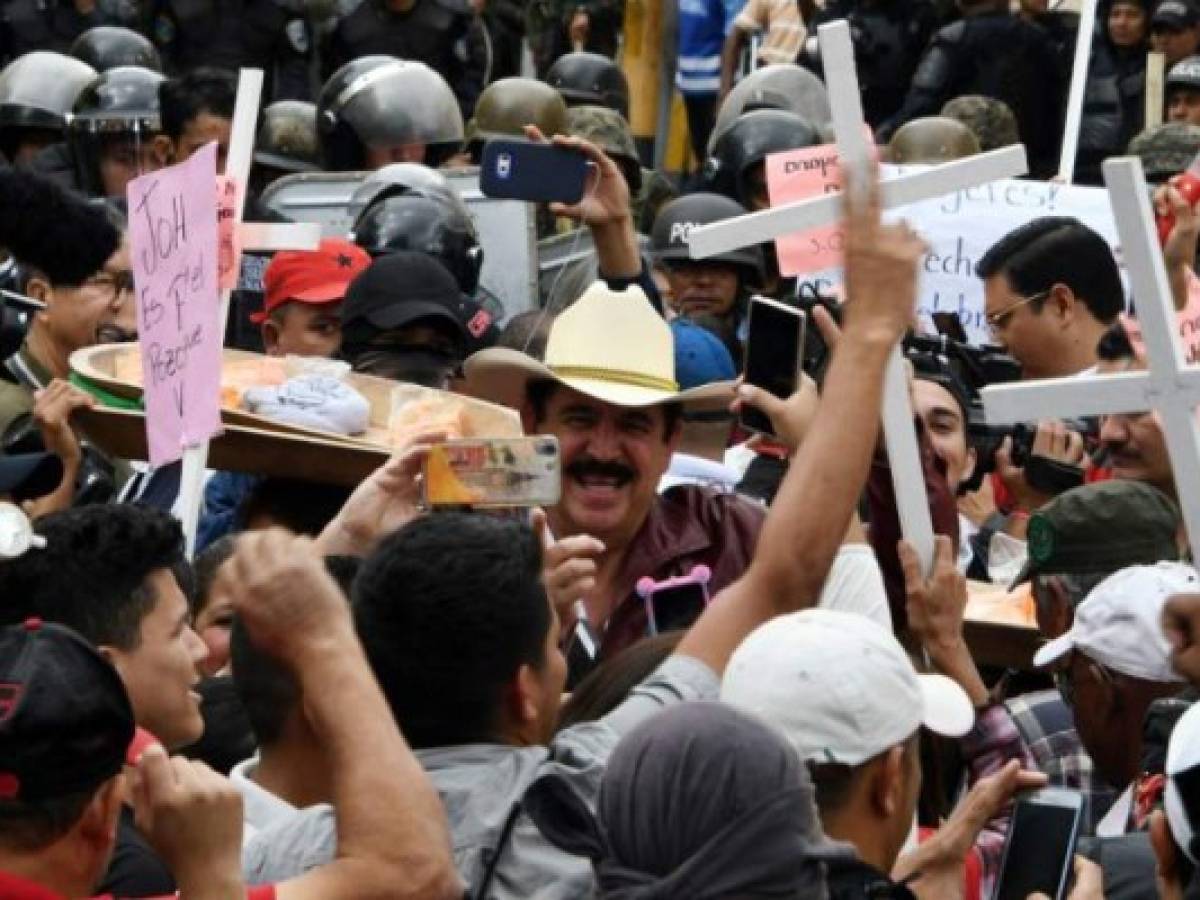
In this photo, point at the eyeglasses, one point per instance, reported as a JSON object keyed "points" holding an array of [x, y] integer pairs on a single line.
{"points": [[111, 284], [999, 321]]}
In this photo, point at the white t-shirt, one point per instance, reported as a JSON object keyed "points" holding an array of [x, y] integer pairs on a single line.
{"points": [[855, 585]]}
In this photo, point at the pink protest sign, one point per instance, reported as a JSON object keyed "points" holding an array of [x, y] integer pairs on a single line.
{"points": [[800, 175], [229, 251], [173, 239]]}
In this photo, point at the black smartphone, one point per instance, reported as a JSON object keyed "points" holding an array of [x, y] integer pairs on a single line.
{"points": [[774, 337], [674, 603], [1040, 849], [537, 173]]}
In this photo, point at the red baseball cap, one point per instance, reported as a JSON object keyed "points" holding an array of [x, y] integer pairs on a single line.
{"points": [[311, 276]]}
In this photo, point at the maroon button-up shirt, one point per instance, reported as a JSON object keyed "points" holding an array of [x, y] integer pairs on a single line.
{"points": [[688, 525]]}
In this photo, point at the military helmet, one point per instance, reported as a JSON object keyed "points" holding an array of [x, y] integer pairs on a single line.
{"points": [[932, 139], [383, 101], [506, 106], [991, 121], [590, 78], [405, 219], [609, 131], [121, 101], [676, 219], [287, 137], [1184, 74], [748, 141], [779, 86], [109, 46], [1166, 150], [39, 89]]}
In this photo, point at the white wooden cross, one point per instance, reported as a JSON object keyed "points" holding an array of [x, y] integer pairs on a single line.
{"points": [[837, 51], [1169, 386], [251, 236]]}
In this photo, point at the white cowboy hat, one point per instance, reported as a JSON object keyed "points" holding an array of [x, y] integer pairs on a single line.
{"points": [[610, 345]]}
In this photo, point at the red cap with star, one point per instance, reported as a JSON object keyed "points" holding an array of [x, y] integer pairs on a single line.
{"points": [[311, 276]]}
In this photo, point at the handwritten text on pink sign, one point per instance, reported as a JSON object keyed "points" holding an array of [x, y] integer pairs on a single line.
{"points": [[173, 236]]}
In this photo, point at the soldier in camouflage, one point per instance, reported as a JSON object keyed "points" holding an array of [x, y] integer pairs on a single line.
{"points": [[609, 131], [1166, 150], [931, 140], [990, 120]]}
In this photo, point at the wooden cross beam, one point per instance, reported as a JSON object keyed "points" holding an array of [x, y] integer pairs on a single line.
{"points": [[251, 236], [845, 101], [1168, 386]]}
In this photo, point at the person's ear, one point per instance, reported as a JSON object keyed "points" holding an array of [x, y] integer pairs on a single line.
{"points": [[527, 699], [887, 782], [163, 149], [39, 288], [1062, 301], [101, 817], [270, 336]]}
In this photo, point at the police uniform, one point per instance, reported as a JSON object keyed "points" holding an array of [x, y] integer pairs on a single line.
{"points": [[443, 34], [27, 25], [232, 34], [996, 55], [889, 38]]}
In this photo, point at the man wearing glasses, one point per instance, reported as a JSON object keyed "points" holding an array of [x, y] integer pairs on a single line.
{"points": [[1110, 667], [1052, 289], [84, 306]]}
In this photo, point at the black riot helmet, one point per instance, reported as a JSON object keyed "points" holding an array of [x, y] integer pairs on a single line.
{"points": [[387, 102], [590, 78], [675, 221], [37, 91], [429, 221], [110, 46], [747, 142], [410, 176], [121, 103]]}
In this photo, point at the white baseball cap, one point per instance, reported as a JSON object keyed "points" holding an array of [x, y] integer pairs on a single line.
{"points": [[1181, 794], [1119, 624], [839, 687]]}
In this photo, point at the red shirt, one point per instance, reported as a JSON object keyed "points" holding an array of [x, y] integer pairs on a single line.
{"points": [[13, 887]]}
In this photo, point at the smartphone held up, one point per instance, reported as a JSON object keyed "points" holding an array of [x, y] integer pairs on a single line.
{"points": [[775, 338], [514, 169]]}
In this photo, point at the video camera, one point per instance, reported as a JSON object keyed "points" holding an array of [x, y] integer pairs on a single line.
{"points": [[964, 370]]}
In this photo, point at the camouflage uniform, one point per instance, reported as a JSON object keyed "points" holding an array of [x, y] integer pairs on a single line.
{"points": [[606, 128], [991, 120], [1166, 150]]}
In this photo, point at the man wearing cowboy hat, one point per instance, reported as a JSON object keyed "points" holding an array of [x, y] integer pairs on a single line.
{"points": [[607, 391]]}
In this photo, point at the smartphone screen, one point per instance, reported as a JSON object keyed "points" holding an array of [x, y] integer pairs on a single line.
{"points": [[678, 607], [775, 336], [537, 173], [1041, 844]]}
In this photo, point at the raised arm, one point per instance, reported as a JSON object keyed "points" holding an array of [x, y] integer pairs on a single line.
{"points": [[808, 519], [392, 835]]}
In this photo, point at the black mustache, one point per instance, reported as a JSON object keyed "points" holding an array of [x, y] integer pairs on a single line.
{"points": [[584, 468]]}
